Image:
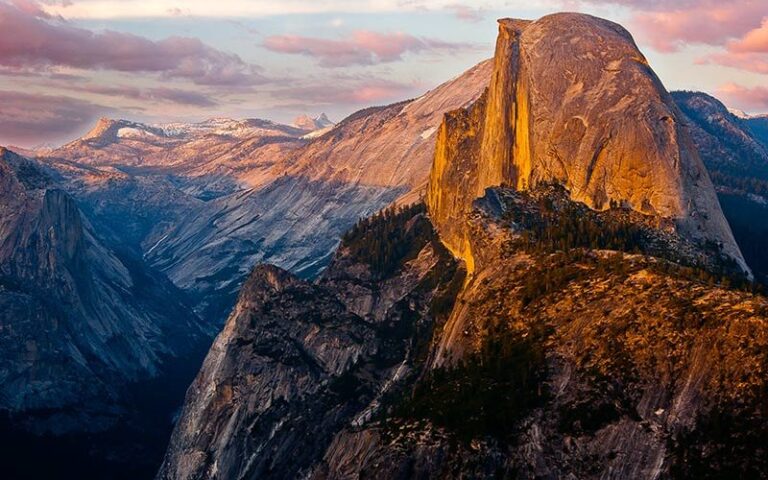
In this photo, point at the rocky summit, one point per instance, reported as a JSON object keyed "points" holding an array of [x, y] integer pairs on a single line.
{"points": [[572, 100]]}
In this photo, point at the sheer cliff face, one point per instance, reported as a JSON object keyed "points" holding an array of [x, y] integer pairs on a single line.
{"points": [[297, 361], [78, 321], [572, 100]]}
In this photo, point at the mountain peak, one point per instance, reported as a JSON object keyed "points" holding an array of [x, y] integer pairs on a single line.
{"points": [[305, 122], [109, 130], [573, 101]]}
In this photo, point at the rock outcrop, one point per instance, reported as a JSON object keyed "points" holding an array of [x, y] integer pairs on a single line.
{"points": [[573, 101], [79, 322], [298, 361], [591, 361], [559, 365]]}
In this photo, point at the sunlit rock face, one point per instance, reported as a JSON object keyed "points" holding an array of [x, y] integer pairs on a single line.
{"points": [[573, 101]]}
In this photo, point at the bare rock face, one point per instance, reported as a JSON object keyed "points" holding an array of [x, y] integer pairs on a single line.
{"points": [[206, 202], [298, 361], [573, 101], [79, 321], [310, 124]]}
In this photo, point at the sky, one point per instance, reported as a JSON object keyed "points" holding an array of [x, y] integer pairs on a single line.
{"points": [[65, 63]]}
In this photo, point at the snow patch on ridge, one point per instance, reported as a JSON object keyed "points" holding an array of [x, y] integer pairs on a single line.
{"points": [[428, 132]]}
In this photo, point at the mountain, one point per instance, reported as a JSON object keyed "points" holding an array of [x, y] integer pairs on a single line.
{"points": [[305, 122], [318, 191], [574, 326], [206, 159], [298, 361], [757, 124], [206, 202], [80, 322], [342, 378], [608, 131], [726, 143], [737, 159]]}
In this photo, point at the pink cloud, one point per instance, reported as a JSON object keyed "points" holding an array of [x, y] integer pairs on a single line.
{"points": [[754, 41], [362, 47], [669, 25], [751, 62], [749, 52], [30, 39], [160, 94], [749, 99], [670, 30], [29, 119], [30, 7], [466, 13], [351, 91], [739, 27]]}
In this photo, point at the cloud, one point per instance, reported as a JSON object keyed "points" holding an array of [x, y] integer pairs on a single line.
{"points": [[466, 13], [738, 27], [750, 62], [110, 9], [749, 99], [670, 25], [351, 91], [30, 119], [29, 38], [749, 53], [754, 41], [161, 94], [361, 47]]}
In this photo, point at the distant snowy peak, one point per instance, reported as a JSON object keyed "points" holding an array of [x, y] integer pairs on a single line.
{"points": [[746, 116], [309, 124], [107, 131], [739, 113], [245, 128]]}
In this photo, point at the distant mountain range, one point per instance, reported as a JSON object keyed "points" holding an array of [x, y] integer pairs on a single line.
{"points": [[735, 151]]}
